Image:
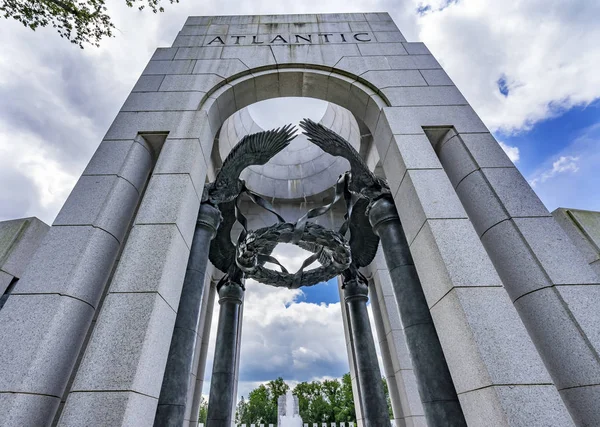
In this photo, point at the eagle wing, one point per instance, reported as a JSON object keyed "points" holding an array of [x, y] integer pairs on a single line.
{"points": [[332, 143], [363, 242], [222, 250], [254, 149]]}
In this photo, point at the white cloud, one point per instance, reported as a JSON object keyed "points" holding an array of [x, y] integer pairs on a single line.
{"points": [[571, 178], [282, 336], [562, 165], [511, 151], [545, 53]]}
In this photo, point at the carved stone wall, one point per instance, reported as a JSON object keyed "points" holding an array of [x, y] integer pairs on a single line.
{"points": [[111, 268]]}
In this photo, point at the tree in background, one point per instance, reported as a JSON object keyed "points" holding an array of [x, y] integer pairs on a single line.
{"points": [[318, 401], [79, 21], [261, 406], [387, 398], [202, 415]]}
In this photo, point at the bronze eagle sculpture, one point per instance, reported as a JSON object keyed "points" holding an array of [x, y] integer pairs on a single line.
{"points": [[254, 149], [363, 183]]}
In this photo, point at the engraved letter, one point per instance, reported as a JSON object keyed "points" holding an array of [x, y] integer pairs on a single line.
{"points": [[343, 38], [215, 39], [308, 38], [326, 37], [237, 39], [361, 34], [278, 37], [255, 41]]}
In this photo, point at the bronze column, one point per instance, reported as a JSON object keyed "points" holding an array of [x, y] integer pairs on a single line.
{"points": [[176, 380], [372, 397], [222, 382]]}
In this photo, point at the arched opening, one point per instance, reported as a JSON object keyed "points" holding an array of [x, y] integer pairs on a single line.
{"points": [[318, 351]]}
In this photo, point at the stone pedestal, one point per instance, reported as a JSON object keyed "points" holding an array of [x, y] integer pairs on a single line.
{"points": [[222, 383], [374, 405], [436, 388], [174, 391]]}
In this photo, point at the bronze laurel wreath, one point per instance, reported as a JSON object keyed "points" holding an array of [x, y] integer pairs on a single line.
{"points": [[329, 247]]}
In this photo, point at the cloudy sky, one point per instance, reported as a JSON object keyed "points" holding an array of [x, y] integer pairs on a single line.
{"points": [[529, 68]]}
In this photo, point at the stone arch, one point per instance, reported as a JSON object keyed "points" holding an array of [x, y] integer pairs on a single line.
{"points": [[339, 87]]}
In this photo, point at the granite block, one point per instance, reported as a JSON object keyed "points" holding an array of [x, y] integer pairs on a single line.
{"points": [[558, 337], [154, 260], [106, 202], [485, 341], [589, 398], [429, 95], [426, 194], [416, 48], [411, 120], [584, 304], [423, 62], [193, 30], [171, 199], [382, 49], [164, 54], [533, 405], [163, 101], [183, 156], [448, 253], [38, 353], [480, 202], [73, 261], [244, 92], [515, 194], [389, 36], [513, 259], [358, 65], [190, 83], [129, 160], [179, 124], [20, 409], [393, 78], [19, 240], [436, 77], [389, 26], [267, 85], [485, 150], [553, 249], [149, 83], [224, 68], [130, 345], [455, 157], [251, 56], [108, 409], [169, 67]]}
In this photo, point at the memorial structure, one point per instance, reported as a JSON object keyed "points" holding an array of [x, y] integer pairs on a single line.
{"points": [[486, 312]]}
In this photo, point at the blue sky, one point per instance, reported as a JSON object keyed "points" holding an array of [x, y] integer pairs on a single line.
{"points": [[529, 68]]}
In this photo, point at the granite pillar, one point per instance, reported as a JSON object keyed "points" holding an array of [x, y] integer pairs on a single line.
{"points": [[203, 336], [552, 287], [373, 403], [237, 360], [436, 388], [222, 383], [174, 391], [351, 355]]}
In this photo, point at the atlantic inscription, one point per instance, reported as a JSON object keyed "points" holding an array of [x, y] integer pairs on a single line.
{"points": [[271, 39]]}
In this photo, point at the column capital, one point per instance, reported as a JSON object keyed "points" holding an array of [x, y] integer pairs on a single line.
{"points": [[231, 291], [382, 210], [355, 289], [209, 217]]}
